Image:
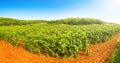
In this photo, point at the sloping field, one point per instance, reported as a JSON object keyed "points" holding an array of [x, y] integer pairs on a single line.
{"points": [[100, 52]]}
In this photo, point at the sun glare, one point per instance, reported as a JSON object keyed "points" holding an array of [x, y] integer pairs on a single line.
{"points": [[113, 3]]}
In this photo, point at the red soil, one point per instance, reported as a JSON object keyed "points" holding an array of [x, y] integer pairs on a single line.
{"points": [[100, 52]]}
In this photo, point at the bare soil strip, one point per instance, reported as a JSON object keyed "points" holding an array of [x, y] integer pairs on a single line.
{"points": [[98, 54]]}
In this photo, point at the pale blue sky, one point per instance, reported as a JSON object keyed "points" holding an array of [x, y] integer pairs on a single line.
{"points": [[107, 10]]}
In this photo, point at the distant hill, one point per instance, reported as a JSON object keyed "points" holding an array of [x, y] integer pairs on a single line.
{"points": [[69, 21], [77, 21], [11, 21]]}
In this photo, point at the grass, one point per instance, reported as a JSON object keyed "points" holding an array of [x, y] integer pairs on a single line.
{"points": [[115, 58]]}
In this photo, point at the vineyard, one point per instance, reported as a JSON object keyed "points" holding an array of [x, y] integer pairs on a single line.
{"points": [[115, 55], [70, 38], [59, 41]]}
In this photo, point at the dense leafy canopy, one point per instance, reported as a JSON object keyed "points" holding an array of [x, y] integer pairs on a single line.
{"points": [[77, 21], [69, 21]]}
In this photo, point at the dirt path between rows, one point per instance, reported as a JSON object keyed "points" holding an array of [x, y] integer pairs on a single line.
{"points": [[100, 52]]}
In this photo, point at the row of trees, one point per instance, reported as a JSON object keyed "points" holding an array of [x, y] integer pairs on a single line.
{"points": [[77, 21], [70, 21]]}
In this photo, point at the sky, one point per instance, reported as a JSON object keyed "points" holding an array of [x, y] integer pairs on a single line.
{"points": [[106, 10]]}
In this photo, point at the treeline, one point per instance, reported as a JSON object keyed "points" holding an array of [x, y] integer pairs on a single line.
{"points": [[77, 21], [69, 21], [10, 22]]}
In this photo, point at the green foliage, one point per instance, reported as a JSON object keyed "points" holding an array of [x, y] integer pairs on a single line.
{"points": [[57, 41], [11, 22], [116, 55], [77, 21], [69, 21]]}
